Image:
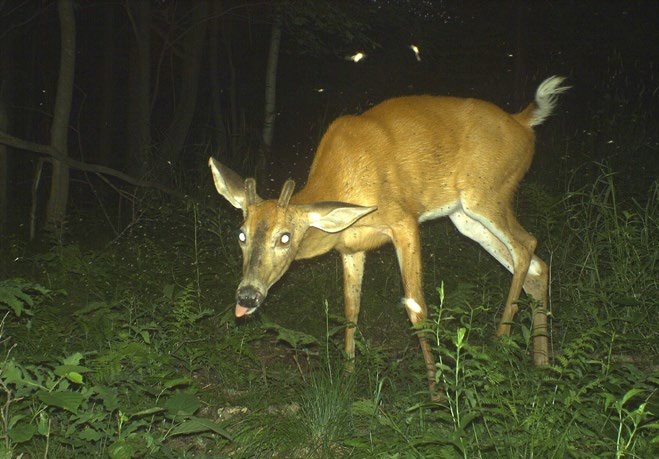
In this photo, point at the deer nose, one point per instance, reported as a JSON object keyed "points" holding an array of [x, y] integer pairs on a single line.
{"points": [[249, 297]]}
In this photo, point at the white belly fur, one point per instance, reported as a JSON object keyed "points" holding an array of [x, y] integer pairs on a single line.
{"points": [[439, 212]]}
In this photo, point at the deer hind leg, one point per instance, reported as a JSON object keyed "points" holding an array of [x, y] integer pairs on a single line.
{"points": [[502, 237], [537, 285], [408, 250], [353, 273]]}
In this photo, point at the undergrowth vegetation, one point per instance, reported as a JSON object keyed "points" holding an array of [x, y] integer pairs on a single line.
{"points": [[132, 351]]}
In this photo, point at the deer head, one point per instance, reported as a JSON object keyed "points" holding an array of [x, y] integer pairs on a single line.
{"points": [[272, 231]]}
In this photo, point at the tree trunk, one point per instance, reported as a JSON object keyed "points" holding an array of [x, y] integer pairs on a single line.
{"points": [[234, 128], [106, 112], [139, 89], [5, 92], [271, 90], [189, 78], [220, 142], [59, 132], [6, 84]]}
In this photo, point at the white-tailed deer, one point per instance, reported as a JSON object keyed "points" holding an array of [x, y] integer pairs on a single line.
{"points": [[376, 176]]}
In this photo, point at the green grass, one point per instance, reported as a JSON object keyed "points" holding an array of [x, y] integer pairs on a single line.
{"points": [[129, 348], [130, 352]]}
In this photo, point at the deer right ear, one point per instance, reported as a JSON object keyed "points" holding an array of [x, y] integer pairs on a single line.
{"points": [[229, 184], [333, 217]]}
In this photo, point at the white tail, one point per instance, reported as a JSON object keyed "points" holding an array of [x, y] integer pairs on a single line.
{"points": [[546, 98], [376, 176]]}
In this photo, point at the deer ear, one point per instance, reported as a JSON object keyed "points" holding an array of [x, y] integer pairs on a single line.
{"points": [[229, 184], [333, 217]]}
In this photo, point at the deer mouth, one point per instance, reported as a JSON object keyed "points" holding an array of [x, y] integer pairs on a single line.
{"points": [[243, 311], [248, 299]]}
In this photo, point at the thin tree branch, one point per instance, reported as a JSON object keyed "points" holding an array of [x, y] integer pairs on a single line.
{"points": [[15, 142]]}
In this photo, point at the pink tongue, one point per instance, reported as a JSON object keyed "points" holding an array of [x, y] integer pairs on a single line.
{"points": [[241, 310]]}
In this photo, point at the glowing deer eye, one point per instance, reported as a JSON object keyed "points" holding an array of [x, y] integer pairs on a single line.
{"points": [[285, 238], [241, 236]]}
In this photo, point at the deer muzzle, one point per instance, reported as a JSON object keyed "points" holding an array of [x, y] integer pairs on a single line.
{"points": [[248, 298]]}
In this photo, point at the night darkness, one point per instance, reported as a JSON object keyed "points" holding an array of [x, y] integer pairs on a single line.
{"points": [[161, 85]]}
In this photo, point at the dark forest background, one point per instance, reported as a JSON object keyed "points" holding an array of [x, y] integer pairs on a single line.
{"points": [[159, 86], [119, 261]]}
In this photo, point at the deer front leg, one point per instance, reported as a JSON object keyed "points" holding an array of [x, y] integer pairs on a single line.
{"points": [[408, 249], [353, 273]]}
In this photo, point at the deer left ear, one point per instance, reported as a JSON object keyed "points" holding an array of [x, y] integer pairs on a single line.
{"points": [[230, 185], [333, 217]]}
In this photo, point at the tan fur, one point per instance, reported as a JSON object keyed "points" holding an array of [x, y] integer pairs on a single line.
{"points": [[407, 160]]}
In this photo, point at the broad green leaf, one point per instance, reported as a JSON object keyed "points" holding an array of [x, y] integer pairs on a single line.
{"points": [[293, 338], [177, 382], [73, 359], [122, 450], [19, 294], [15, 419], [134, 445], [89, 434], [65, 370], [213, 426], [182, 404], [631, 393], [74, 377], [197, 425], [109, 397], [146, 337], [69, 401], [22, 432], [16, 300], [11, 373], [43, 426], [147, 412]]}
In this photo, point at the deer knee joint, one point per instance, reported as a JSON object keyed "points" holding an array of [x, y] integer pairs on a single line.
{"points": [[416, 312]]}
